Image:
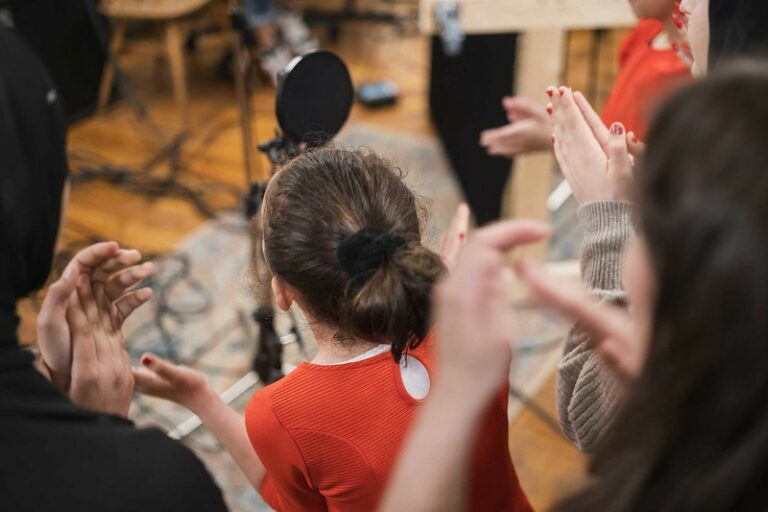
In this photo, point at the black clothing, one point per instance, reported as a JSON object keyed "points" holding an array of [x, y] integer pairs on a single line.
{"points": [[33, 168], [54, 456], [737, 28]]}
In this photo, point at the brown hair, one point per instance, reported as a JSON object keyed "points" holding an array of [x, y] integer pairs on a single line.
{"points": [[342, 228]]}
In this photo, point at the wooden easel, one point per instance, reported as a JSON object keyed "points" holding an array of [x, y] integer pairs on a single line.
{"points": [[540, 60]]}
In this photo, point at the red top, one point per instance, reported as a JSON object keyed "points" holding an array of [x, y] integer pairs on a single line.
{"points": [[329, 437], [646, 75]]}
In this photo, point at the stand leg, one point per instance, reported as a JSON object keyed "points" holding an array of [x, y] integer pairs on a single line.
{"points": [[108, 76], [175, 51]]}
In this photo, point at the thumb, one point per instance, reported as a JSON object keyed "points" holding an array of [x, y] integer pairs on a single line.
{"points": [[618, 154], [60, 291]]}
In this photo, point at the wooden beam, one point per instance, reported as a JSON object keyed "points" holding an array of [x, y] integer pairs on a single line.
{"points": [[540, 62], [492, 16]]}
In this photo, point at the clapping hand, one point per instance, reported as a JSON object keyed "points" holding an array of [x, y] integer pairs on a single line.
{"points": [[529, 129], [595, 161], [111, 272], [476, 319]]}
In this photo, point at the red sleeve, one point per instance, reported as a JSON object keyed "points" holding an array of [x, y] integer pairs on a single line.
{"points": [[288, 485]]}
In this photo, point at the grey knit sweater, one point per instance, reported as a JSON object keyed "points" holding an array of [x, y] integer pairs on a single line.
{"points": [[588, 390]]}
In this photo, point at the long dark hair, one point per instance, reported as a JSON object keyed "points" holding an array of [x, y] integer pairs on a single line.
{"points": [[343, 229], [693, 434], [737, 28]]}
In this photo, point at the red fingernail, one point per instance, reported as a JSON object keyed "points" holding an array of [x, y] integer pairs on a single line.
{"points": [[146, 360], [617, 129], [550, 93], [462, 236], [562, 92], [549, 110], [678, 22]]}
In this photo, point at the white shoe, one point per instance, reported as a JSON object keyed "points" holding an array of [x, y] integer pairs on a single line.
{"points": [[273, 60], [295, 32]]}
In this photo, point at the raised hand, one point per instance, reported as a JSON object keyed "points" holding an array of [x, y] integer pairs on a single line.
{"points": [[452, 242], [680, 44], [109, 268], [617, 339], [101, 375], [475, 317], [529, 129], [596, 164], [163, 379]]}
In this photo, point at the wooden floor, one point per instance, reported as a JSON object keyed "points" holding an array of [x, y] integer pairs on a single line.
{"points": [[547, 465]]}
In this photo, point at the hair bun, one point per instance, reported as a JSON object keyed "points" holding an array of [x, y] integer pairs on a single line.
{"points": [[362, 254]]}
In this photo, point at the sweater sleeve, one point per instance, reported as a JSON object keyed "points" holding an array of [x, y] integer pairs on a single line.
{"points": [[588, 390]]}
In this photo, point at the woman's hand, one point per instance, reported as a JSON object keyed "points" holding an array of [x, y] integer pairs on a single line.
{"points": [[595, 162], [101, 379], [529, 129], [474, 313], [680, 43], [617, 339], [452, 242], [110, 269], [179, 384]]}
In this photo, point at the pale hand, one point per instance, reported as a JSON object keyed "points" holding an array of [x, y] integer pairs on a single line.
{"points": [[475, 318], [452, 242], [595, 161], [177, 383], [529, 129]]}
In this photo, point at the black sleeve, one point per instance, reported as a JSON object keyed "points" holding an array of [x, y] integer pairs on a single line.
{"points": [[167, 476]]}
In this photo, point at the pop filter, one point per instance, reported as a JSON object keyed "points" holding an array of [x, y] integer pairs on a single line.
{"points": [[314, 97]]}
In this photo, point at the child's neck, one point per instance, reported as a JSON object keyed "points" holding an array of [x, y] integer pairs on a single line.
{"points": [[331, 351]]}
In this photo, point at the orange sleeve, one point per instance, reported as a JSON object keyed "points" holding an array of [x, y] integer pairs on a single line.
{"points": [[288, 485]]}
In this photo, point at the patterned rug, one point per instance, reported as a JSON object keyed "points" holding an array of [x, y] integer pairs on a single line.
{"points": [[201, 313]]}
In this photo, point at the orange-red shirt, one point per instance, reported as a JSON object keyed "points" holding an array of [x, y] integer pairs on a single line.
{"points": [[330, 435], [646, 75]]}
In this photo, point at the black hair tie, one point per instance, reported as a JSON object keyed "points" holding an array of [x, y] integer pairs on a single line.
{"points": [[362, 254]]}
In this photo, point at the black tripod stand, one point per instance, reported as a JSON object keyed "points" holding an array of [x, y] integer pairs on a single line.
{"points": [[268, 361]]}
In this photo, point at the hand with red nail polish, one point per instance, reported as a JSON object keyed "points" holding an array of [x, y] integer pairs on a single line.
{"points": [[593, 159], [179, 384], [452, 242]]}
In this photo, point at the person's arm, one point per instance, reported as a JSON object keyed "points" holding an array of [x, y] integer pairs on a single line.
{"points": [[597, 165], [474, 349], [433, 472], [589, 390], [188, 388]]}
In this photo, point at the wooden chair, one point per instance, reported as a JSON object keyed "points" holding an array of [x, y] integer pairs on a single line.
{"points": [[169, 15]]}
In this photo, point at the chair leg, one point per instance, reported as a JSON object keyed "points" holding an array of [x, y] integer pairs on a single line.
{"points": [[175, 51], [108, 75]]}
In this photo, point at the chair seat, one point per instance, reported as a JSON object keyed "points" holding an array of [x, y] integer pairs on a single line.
{"points": [[150, 9]]}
